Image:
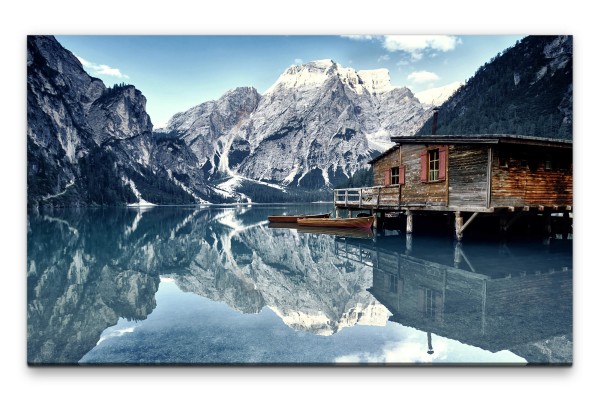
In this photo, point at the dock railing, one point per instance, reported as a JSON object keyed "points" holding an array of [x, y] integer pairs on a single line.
{"points": [[368, 197]]}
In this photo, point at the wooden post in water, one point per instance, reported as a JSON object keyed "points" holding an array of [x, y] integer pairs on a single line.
{"points": [[337, 213], [503, 223], [457, 256], [566, 225], [409, 222], [548, 224], [350, 213], [458, 224], [408, 244]]}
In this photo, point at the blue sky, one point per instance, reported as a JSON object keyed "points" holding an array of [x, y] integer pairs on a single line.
{"points": [[178, 72]]}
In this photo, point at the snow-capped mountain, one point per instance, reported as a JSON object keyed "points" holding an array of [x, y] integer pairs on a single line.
{"points": [[315, 126], [437, 96]]}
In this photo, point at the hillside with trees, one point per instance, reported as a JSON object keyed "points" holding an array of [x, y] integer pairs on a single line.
{"points": [[524, 90]]}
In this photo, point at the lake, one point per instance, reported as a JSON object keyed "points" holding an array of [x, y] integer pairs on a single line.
{"points": [[219, 285]]}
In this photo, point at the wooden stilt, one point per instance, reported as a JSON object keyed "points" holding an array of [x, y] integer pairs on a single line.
{"points": [[548, 224], [503, 224], [409, 222], [337, 213], [566, 225], [458, 224], [408, 244], [350, 213], [470, 219]]}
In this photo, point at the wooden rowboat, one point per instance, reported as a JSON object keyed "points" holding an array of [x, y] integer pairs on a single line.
{"points": [[360, 232], [294, 218], [355, 222]]}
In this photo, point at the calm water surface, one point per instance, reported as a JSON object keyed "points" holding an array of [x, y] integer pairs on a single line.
{"points": [[218, 285]]}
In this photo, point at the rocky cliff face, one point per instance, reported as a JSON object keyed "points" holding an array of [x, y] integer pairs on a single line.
{"points": [[119, 114], [317, 125], [204, 127], [88, 144]]}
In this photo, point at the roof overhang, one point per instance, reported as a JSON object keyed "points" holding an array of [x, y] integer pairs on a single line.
{"points": [[479, 139], [490, 139]]}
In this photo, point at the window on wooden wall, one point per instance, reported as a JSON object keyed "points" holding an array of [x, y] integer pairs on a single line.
{"points": [[502, 159], [433, 164], [395, 175]]}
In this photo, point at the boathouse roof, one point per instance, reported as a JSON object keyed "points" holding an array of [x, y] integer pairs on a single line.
{"points": [[489, 139]]}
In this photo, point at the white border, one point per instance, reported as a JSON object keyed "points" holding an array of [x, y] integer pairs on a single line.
{"points": [[306, 17]]}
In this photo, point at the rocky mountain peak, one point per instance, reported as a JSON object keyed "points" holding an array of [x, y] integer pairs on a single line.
{"points": [[119, 113], [317, 73], [315, 126]]}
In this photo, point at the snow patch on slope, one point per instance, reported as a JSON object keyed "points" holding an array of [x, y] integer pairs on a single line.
{"points": [[141, 202], [379, 140], [69, 184], [437, 96]]}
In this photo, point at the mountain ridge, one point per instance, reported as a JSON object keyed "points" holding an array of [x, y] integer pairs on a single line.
{"points": [[525, 90], [314, 127]]}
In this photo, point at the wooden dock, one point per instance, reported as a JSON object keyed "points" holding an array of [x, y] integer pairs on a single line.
{"points": [[381, 201]]}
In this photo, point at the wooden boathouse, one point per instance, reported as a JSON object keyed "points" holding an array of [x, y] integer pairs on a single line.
{"points": [[504, 175]]}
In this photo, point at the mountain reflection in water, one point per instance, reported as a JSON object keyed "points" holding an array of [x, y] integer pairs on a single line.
{"points": [[219, 285]]}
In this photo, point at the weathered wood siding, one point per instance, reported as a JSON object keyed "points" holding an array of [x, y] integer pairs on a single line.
{"points": [[526, 181], [386, 163], [467, 175], [413, 192]]}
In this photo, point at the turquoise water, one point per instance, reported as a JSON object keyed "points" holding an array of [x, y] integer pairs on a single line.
{"points": [[218, 285]]}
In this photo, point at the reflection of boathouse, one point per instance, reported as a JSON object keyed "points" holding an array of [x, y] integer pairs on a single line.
{"points": [[489, 298]]}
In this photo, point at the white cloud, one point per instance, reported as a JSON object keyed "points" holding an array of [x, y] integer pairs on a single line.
{"points": [[101, 69], [385, 57], [421, 77], [415, 45], [298, 61], [358, 37]]}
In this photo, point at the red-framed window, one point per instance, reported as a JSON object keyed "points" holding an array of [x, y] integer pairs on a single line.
{"points": [[433, 164], [394, 176]]}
